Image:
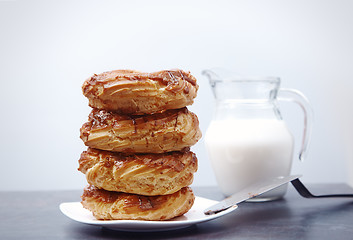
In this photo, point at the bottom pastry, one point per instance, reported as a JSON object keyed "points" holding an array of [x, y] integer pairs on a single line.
{"points": [[107, 205]]}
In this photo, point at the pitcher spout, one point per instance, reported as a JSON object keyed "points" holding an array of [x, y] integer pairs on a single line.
{"points": [[212, 76]]}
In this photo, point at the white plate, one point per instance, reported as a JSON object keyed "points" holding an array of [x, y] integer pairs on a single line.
{"points": [[75, 211]]}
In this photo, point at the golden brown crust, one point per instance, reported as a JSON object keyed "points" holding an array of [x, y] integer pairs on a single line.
{"points": [[172, 130], [144, 174], [136, 93], [108, 205]]}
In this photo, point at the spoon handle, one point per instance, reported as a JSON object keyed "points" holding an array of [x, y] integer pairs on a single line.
{"points": [[304, 192]]}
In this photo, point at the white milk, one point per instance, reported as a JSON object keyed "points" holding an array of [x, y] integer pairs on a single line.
{"points": [[246, 151]]}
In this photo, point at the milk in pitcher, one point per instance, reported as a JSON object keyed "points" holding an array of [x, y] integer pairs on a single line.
{"points": [[243, 151]]}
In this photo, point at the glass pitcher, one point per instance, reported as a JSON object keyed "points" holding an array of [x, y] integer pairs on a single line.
{"points": [[247, 141]]}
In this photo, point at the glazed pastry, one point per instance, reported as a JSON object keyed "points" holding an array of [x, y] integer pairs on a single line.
{"points": [[137, 93], [106, 205], [144, 174], [172, 130]]}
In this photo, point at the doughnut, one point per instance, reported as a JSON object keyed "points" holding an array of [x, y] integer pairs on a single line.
{"points": [[144, 174], [172, 130], [107, 205], [137, 93]]}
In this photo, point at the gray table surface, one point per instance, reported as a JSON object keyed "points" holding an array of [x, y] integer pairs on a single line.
{"points": [[36, 215]]}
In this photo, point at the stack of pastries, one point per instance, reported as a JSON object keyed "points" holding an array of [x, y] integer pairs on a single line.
{"points": [[138, 163]]}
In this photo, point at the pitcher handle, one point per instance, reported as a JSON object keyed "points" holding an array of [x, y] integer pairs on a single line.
{"points": [[292, 95]]}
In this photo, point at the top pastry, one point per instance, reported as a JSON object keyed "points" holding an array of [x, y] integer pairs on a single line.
{"points": [[137, 93]]}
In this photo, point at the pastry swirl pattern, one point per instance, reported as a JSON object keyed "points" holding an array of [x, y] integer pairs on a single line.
{"points": [[172, 130], [144, 174], [107, 205], [133, 92]]}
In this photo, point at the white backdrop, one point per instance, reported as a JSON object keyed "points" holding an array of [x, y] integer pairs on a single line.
{"points": [[48, 48]]}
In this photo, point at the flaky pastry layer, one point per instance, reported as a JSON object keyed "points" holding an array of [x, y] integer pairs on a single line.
{"points": [[137, 93], [144, 174], [172, 130], [106, 205]]}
